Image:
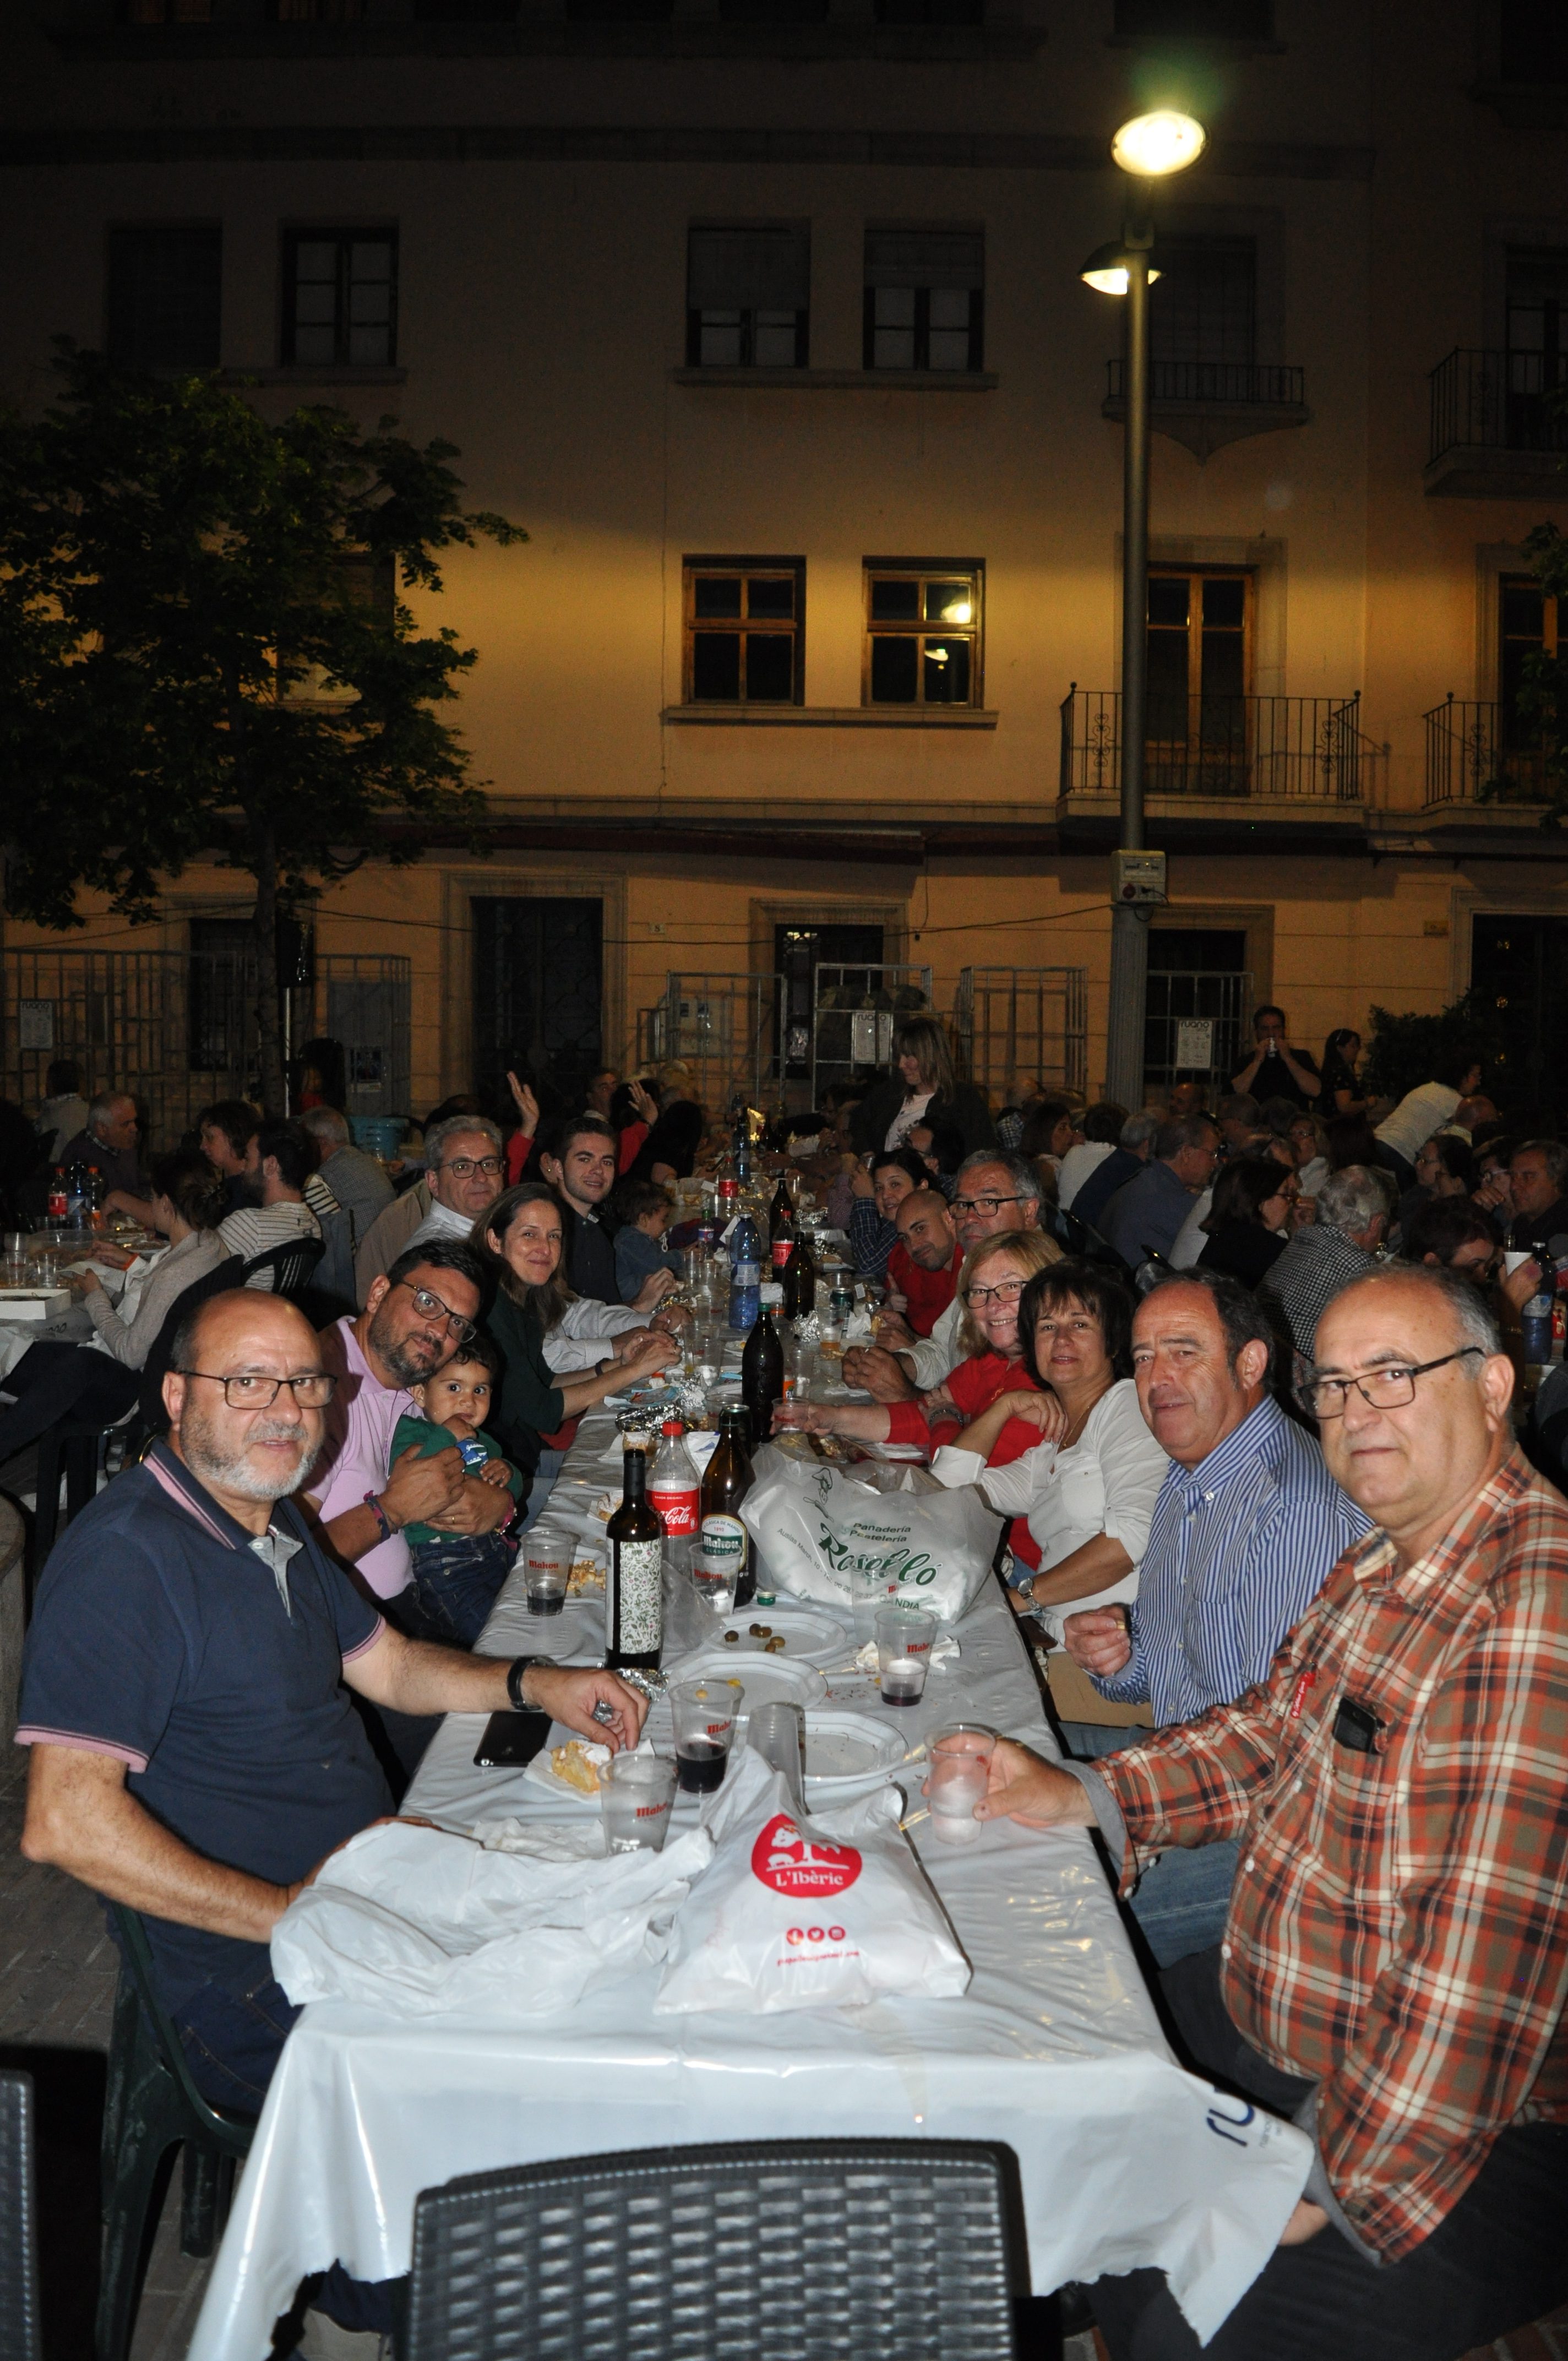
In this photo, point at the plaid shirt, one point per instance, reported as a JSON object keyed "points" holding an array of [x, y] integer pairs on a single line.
{"points": [[1398, 1928]]}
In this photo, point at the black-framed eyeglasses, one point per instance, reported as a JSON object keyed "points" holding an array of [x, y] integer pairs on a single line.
{"points": [[312, 1392], [430, 1307], [985, 1206], [466, 1166], [1390, 1389], [1007, 1290]]}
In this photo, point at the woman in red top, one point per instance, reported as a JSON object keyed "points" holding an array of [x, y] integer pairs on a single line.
{"points": [[994, 1277]]}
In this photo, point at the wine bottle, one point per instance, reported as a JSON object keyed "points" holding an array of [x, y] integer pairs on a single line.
{"points": [[634, 1592], [726, 1481], [762, 1369]]}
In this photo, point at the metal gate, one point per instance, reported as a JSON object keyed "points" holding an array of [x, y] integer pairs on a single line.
{"points": [[1018, 1027], [1194, 1025], [855, 1009], [723, 1027], [176, 1030]]}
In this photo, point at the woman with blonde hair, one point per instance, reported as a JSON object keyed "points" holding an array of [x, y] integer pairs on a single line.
{"points": [[922, 1088]]}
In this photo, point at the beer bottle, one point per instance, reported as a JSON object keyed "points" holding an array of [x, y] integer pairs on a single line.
{"points": [[726, 1481], [762, 1369], [634, 1592], [800, 1280]]}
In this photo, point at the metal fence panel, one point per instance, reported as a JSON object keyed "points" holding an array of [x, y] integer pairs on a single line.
{"points": [[1017, 1025], [855, 1007], [1187, 1011], [724, 1028]]}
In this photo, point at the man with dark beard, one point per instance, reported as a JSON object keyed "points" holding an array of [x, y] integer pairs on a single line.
{"points": [[415, 1319], [194, 1753]]}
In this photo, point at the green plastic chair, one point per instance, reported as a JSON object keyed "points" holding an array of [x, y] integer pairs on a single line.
{"points": [[152, 2105]]}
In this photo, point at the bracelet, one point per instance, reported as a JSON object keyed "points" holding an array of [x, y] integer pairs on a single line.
{"points": [[505, 1523], [384, 1524]]}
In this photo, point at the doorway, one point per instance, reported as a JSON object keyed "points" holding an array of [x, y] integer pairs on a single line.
{"points": [[1199, 994], [1520, 964], [538, 995], [798, 952]]}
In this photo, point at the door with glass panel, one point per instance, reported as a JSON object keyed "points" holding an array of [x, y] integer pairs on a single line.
{"points": [[1199, 681]]}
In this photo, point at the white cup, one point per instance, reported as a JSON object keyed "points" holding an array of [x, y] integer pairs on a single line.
{"points": [[1511, 1261]]}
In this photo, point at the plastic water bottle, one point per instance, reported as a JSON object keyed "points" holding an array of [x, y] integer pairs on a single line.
{"points": [[745, 1273], [1535, 1328]]}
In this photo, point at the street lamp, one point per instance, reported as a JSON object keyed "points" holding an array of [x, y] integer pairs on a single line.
{"points": [[1149, 148]]}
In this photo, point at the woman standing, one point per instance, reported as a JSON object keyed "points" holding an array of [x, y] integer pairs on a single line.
{"points": [[922, 1087], [1248, 1224], [520, 1241], [1087, 1487], [1341, 1092]]}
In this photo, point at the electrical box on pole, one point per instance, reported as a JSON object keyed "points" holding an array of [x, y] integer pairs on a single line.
{"points": [[1137, 879]]}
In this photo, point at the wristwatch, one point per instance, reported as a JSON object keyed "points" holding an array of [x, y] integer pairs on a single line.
{"points": [[518, 1667], [1026, 1589]]}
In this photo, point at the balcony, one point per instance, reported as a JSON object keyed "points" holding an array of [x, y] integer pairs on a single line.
{"points": [[1499, 426], [1481, 756], [1215, 766], [1205, 404]]}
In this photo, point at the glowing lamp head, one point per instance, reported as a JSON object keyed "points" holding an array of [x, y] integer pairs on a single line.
{"points": [[1106, 270], [1150, 145]]}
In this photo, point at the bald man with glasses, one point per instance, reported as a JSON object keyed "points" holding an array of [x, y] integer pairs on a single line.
{"points": [[1394, 1971]]}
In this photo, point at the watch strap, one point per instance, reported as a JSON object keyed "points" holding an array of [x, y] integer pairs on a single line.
{"points": [[515, 1672]]}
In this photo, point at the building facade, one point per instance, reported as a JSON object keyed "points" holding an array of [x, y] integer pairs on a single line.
{"points": [[764, 318]]}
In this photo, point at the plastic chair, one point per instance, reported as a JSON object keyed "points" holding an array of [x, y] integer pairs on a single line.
{"points": [[20, 2335], [794, 2250], [152, 2105], [287, 1270]]}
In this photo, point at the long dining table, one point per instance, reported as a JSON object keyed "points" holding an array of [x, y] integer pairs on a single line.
{"points": [[1125, 2158]]}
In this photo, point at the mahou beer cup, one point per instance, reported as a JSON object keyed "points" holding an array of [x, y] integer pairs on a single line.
{"points": [[705, 1715], [904, 1637], [636, 1792], [959, 1757]]}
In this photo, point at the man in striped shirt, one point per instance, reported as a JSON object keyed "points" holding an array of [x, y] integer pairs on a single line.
{"points": [[1393, 1973], [1247, 1524]]}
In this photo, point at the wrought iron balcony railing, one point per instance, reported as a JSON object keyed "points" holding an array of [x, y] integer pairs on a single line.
{"points": [[1260, 749], [1499, 402], [1480, 752], [1260, 384]]}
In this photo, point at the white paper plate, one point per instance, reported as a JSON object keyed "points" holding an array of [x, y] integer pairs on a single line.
{"points": [[811, 1637], [764, 1678], [849, 1753]]}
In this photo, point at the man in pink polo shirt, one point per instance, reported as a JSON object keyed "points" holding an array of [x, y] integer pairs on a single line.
{"points": [[415, 1319]]}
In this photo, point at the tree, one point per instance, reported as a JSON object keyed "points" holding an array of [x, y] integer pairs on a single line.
{"points": [[1405, 1051], [202, 646], [1542, 701]]}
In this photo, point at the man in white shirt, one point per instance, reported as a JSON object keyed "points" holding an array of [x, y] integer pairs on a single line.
{"points": [[996, 1193], [464, 1166], [283, 1160], [1404, 1133], [1101, 1130]]}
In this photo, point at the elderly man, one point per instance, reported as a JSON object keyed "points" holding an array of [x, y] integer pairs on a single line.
{"points": [[1275, 1071], [194, 1753], [1395, 1967], [1145, 1216], [1247, 1524], [581, 1170], [107, 1142], [996, 1193], [1536, 1172], [463, 1167], [1349, 1224], [1134, 1146], [353, 1176]]}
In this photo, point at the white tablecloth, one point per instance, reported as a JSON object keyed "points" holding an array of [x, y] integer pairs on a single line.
{"points": [[1125, 2159]]}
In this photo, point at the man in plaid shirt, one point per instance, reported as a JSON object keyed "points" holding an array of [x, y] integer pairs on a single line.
{"points": [[1395, 1968]]}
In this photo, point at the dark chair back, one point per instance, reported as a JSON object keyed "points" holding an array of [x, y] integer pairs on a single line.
{"points": [[884, 2250], [287, 1270], [1080, 1239], [228, 1273], [21, 2338]]}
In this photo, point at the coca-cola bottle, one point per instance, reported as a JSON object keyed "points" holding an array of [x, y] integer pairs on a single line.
{"points": [[675, 1487]]}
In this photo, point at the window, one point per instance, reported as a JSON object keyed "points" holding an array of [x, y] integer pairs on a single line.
{"points": [[369, 582], [1527, 626], [923, 299], [1202, 312], [744, 622], [1535, 41], [1214, 20], [922, 633], [340, 298], [748, 296], [165, 297], [1199, 667]]}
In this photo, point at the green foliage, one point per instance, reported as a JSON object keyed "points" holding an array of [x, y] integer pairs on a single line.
{"points": [[195, 654], [1408, 1051], [1543, 694]]}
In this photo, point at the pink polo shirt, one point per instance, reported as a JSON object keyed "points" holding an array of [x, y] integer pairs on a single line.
{"points": [[357, 1457]]}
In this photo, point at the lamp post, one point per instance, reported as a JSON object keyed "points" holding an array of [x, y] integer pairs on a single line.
{"points": [[1149, 148]]}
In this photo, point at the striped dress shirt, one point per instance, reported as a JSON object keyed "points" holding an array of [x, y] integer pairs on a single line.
{"points": [[1237, 1548]]}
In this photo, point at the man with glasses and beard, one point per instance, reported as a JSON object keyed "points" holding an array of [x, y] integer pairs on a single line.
{"points": [[194, 1754]]}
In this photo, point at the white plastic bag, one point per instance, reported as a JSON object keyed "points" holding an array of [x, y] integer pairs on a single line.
{"points": [[417, 1921], [826, 1532], [795, 1913]]}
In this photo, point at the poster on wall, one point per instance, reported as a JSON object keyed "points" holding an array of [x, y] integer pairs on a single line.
{"points": [[35, 1024], [1194, 1043]]}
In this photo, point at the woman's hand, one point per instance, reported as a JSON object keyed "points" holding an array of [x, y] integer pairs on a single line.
{"points": [[652, 1352], [672, 1318], [861, 1183], [647, 1107], [87, 1282], [1042, 1410], [803, 1418], [527, 1105]]}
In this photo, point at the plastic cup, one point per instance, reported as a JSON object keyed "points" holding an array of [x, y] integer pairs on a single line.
{"points": [[904, 1637], [1513, 1261], [959, 1757], [547, 1563], [705, 1715], [714, 1574], [636, 1792]]}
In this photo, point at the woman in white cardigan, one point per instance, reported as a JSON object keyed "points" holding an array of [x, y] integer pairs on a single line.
{"points": [[1087, 1488]]}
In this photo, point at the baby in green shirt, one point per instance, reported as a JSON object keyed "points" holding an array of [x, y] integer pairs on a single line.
{"points": [[457, 1575]]}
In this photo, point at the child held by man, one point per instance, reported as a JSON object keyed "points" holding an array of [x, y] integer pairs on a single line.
{"points": [[457, 1575], [643, 1208]]}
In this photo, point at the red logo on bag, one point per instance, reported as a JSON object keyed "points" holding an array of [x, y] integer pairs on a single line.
{"points": [[791, 1863]]}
